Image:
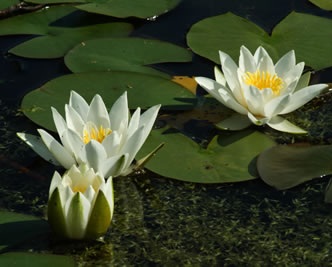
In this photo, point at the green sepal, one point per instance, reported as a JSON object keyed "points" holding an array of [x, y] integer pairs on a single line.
{"points": [[303, 81], [56, 217], [100, 217], [141, 162]]}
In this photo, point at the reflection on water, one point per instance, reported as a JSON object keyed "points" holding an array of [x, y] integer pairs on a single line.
{"points": [[161, 222]]}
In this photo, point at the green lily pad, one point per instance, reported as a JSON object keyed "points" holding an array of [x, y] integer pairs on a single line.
{"points": [[143, 90], [228, 32], [34, 23], [59, 40], [16, 228], [125, 54], [120, 8], [7, 3], [25, 259], [229, 157], [323, 4], [286, 166]]}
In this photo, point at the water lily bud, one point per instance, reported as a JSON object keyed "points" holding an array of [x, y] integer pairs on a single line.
{"points": [[80, 204]]}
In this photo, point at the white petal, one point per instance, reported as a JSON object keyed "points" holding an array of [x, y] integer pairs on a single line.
{"points": [[293, 76], [133, 144], [78, 103], [229, 101], [220, 78], [147, 120], [266, 64], [276, 105], [229, 69], [246, 60], [133, 124], [55, 182], [74, 120], [60, 123], [109, 193], [73, 142], [90, 194], [98, 113], [114, 166], [112, 144], [255, 99], [57, 150], [301, 97], [119, 113], [257, 120], [39, 147], [283, 125], [94, 155], [77, 216], [285, 64], [212, 87]]}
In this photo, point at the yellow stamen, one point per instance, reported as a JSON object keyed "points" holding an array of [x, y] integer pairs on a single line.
{"points": [[96, 134], [263, 80], [79, 188]]}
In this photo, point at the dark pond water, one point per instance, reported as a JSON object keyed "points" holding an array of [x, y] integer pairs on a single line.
{"points": [[162, 222]]}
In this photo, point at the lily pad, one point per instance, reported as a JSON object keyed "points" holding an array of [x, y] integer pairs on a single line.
{"points": [[125, 54], [323, 4], [228, 32], [7, 3], [25, 259], [229, 157], [286, 166], [143, 90], [16, 228], [34, 23], [59, 40], [120, 8]]}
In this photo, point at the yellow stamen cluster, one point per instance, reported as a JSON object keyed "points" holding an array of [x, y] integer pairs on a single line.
{"points": [[98, 135], [263, 80]]}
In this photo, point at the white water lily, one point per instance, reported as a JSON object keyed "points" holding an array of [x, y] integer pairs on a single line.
{"points": [[80, 203], [107, 142], [260, 90]]}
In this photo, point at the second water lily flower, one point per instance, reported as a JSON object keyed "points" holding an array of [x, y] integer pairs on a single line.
{"points": [[260, 90], [80, 203], [107, 141]]}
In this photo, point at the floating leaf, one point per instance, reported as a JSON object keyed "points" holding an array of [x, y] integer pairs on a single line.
{"points": [[228, 32], [16, 228], [121, 8], [125, 54], [7, 3], [229, 157], [286, 166], [59, 40], [323, 4], [143, 91], [34, 23], [26, 259], [187, 82]]}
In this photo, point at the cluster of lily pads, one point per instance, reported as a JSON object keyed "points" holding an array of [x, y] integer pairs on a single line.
{"points": [[107, 65]]}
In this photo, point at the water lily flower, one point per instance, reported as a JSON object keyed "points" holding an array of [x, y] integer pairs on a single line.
{"points": [[107, 142], [260, 90], [80, 204]]}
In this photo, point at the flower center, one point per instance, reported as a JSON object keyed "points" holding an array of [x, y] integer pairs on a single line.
{"points": [[95, 134], [79, 188], [263, 80]]}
